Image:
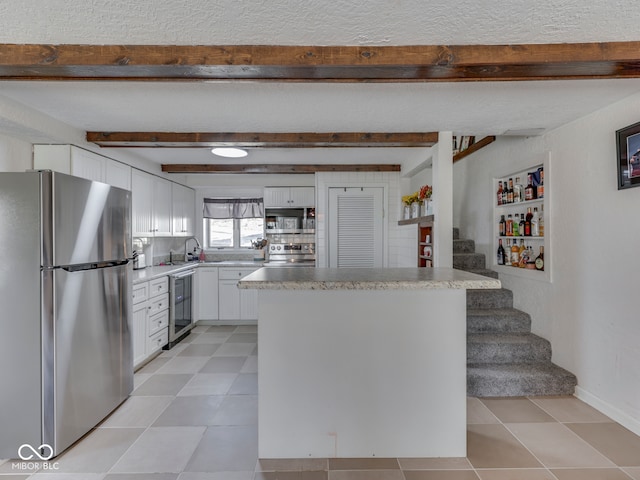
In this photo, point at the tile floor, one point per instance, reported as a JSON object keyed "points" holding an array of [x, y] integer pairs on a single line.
{"points": [[193, 416]]}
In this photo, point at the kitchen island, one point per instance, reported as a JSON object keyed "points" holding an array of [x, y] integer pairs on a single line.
{"points": [[362, 362]]}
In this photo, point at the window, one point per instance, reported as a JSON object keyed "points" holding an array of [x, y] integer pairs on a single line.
{"points": [[232, 223]]}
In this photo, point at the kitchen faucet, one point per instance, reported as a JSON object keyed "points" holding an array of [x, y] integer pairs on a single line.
{"points": [[186, 255]]}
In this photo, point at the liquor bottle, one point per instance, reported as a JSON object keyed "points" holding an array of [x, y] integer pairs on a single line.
{"points": [[515, 254], [529, 190], [521, 227], [527, 223], [540, 189], [504, 192], [510, 191], [541, 221], [509, 231], [518, 191], [501, 253], [502, 226], [516, 226], [540, 259], [499, 194], [535, 231], [522, 255], [507, 258]]}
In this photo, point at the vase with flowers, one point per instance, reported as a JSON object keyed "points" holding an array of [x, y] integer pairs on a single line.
{"points": [[424, 196], [409, 208]]}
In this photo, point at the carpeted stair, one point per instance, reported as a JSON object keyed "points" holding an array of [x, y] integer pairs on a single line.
{"points": [[504, 359]]}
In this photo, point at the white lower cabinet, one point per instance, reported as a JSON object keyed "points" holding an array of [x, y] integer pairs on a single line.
{"points": [[219, 297], [150, 318]]}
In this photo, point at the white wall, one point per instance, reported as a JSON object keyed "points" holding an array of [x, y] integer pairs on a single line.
{"points": [[15, 155], [590, 311]]}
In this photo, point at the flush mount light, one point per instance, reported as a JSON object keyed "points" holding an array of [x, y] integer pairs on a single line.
{"points": [[229, 152]]}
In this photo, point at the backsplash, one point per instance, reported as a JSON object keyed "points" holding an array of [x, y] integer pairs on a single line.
{"points": [[167, 249]]}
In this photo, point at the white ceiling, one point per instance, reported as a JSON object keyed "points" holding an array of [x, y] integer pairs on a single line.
{"points": [[464, 108]]}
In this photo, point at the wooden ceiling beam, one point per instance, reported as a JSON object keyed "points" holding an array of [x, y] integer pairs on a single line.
{"points": [[261, 139], [277, 168], [443, 63]]}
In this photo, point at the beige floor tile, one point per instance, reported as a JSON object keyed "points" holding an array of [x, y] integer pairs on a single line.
{"points": [[516, 410], [243, 338], [613, 440], [633, 472], [141, 476], [200, 329], [363, 463], [183, 365], [175, 351], [305, 475], [516, 474], [213, 338], [237, 410], [477, 412], [247, 329], [137, 412], [250, 365], [557, 446], [226, 449], [440, 475], [190, 411], [224, 365], [163, 384], [140, 378], [199, 350], [366, 475], [590, 474], [245, 384], [291, 464], [189, 338], [112, 443], [160, 450], [569, 409], [208, 384], [222, 329], [154, 365], [434, 464], [216, 475], [493, 446], [235, 349]]}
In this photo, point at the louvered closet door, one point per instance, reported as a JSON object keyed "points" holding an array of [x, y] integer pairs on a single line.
{"points": [[355, 227]]}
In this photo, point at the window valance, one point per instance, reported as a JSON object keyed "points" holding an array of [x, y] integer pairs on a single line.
{"points": [[233, 208]]}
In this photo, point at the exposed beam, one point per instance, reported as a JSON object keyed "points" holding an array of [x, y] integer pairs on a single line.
{"points": [[261, 139], [321, 63], [277, 168]]}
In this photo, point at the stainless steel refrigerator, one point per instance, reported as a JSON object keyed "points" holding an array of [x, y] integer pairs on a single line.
{"points": [[66, 357]]}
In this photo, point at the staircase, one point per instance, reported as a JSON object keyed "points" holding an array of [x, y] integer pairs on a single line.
{"points": [[504, 359]]}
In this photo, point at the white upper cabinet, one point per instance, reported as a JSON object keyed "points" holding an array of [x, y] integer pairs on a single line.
{"points": [[117, 174], [142, 204], [286, 197], [183, 213], [70, 160], [162, 204]]}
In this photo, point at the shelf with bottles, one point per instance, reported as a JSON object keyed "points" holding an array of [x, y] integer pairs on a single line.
{"points": [[528, 207], [425, 244]]}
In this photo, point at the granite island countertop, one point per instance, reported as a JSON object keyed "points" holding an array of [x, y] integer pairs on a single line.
{"points": [[301, 278]]}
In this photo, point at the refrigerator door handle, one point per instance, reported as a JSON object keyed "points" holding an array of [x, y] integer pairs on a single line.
{"points": [[94, 265]]}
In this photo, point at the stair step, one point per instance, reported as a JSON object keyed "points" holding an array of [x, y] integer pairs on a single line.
{"points": [[490, 298], [469, 261], [507, 348], [498, 320], [485, 272], [456, 233], [515, 380], [464, 246]]}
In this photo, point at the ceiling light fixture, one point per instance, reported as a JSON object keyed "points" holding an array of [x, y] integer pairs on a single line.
{"points": [[229, 152]]}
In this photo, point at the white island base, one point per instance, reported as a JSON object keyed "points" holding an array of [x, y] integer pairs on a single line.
{"points": [[360, 372]]}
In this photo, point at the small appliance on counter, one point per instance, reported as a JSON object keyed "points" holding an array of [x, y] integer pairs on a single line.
{"points": [[139, 261]]}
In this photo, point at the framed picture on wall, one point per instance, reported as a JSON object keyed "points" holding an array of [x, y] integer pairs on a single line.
{"points": [[628, 141]]}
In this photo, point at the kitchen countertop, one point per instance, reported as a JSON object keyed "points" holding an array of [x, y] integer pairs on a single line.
{"points": [[151, 273], [365, 279]]}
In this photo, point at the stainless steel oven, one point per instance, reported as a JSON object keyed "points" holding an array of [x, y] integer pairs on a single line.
{"points": [[181, 288], [292, 254]]}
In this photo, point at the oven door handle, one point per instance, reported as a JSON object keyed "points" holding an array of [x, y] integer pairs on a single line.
{"points": [[188, 273]]}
